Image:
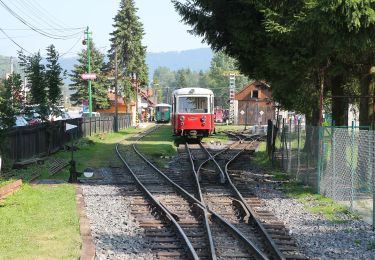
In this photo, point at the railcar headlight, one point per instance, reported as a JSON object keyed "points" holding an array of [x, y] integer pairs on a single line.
{"points": [[204, 123], [182, 124], [182, 118], [203, 118]]}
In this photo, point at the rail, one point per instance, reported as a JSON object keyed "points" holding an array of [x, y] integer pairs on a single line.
{"points": [[258, 254], [274, 251], [191, 251]]}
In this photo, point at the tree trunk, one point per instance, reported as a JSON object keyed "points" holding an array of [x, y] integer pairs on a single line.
{"points": [[364, 104], [339, 104]]}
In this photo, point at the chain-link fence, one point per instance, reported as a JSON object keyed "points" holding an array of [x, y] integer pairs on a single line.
{"points": [[339, 162]]}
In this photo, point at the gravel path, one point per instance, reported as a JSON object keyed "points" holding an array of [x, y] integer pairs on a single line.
{"points": [[317, 237], [116, 234]]}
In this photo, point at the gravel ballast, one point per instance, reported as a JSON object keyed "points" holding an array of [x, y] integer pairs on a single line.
{"points": [[115, 232], [316, 236]]}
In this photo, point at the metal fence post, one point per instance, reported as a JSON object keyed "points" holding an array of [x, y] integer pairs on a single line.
{"points": [[372, 178], [352, 169], [333, 153], [289, 147], [298, 147], [320, 157], [282, 145]]}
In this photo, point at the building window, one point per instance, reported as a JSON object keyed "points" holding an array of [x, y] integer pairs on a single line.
{"points": [[254, 94]]}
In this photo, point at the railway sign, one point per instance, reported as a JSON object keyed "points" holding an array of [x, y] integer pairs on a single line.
{"points": [[261, 112], [242, 112], [88, 76]]}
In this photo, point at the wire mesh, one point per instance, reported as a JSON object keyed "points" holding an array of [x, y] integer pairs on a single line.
{"points": [[339, 162]]}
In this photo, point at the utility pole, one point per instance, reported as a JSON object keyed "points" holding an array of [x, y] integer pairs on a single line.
{"points": [[87, 38], [11, 65], [136, 99], [116, 92]]}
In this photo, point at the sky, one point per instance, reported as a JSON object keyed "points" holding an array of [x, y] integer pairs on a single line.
{"points": [[162, 26]]}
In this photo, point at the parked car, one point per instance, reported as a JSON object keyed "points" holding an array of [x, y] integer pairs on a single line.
{"points": [[33, 118], [93, 114], [60, 115], [21, 121]]}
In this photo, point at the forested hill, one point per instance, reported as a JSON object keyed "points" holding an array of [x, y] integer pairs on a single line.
{"points": [[196, 60]]}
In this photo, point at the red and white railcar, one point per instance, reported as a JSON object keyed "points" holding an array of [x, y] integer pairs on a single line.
{"points": [[193, 112]]}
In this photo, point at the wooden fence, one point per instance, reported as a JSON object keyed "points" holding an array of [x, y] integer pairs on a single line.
{"points": [[31, 142]]}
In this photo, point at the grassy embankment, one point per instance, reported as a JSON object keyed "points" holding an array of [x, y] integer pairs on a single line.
{"points": [[41, 222], [314, 203], [160, 146]]}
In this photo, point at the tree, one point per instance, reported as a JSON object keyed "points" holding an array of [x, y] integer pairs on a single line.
{"points": [[99, 87], [181, 81], [127, 40], [36, 74], [221, 65], [304, 48], [53, 78], [10, 105]]}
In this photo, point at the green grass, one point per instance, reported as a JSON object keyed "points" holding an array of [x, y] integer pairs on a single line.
{"points": [[371, 245], [220, 135], [314, 203], [40, 222], [158, 145], [5, 182], [97, 150], [94, 151], [261, 161]]}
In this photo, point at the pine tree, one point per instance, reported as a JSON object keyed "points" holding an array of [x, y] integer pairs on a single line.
{"points": [[99, 86], [36, 74], [127, 40], [53, 78]]}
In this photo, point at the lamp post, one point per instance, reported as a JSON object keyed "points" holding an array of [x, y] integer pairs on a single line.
{"points": [[116, 93], [87, 41]]}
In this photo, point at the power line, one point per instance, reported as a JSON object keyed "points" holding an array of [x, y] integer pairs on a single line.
{"points": [[75, 44], [40, 7], [14, 41], [49, 35], [46, 29], [19, 36], [35, 12]]}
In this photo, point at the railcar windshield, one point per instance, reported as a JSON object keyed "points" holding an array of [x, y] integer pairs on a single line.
{"points": [[162, 109], [193, 104]]}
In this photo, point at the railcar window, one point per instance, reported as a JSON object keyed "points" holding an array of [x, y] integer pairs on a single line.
{"points": [[192, 104], [163, 109]]}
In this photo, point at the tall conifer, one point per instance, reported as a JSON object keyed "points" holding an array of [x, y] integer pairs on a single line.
{"points": [[53, 78], [127, 39]]}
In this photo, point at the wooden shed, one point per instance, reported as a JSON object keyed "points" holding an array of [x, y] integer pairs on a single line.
{"points": [[254, 104]]}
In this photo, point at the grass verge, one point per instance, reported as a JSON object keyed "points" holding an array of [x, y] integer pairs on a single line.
{"points": [[159, 145], [220, 136], [94, 151], [313, 202], [40, 222]]}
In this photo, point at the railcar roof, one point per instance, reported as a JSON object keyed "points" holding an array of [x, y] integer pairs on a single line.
{"points": [[163, 105], [193, 91]]}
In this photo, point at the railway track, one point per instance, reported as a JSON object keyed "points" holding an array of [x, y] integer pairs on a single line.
{"points": [[237, 199], [168, 209], [184, 220], [176, 212]]}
